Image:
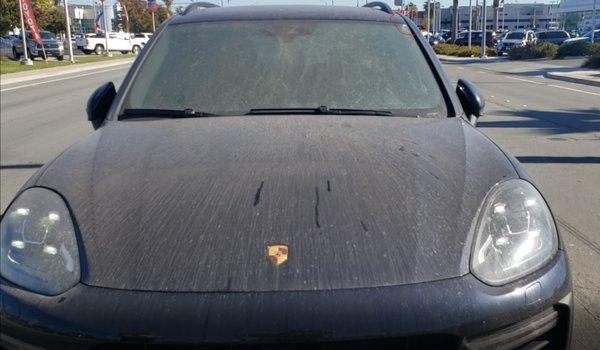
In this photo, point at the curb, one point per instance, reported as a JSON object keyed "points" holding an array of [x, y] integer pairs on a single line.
{"points": [[571, 79], [452, 59], [21, 77]]}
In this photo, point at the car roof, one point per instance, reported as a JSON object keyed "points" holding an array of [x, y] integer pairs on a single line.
{"points": [[306, 12]]}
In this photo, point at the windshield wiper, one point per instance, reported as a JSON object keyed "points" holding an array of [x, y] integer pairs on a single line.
{"points": [[319, 110], [162, 113]]}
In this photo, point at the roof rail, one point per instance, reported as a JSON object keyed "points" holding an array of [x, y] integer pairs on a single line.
{"points": [[198, 6], [381, 5]]}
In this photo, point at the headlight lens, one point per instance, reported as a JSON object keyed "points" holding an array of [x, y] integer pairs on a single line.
{"points": [[38, 247], [514, 235]]}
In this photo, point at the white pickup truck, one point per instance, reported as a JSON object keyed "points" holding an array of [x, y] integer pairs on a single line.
{"points": [[123, 42]]}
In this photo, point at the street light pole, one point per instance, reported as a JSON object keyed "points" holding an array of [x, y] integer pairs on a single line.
{"points": [[470, 22], [71, 58], [594, 22], [25, 60], [483, 30], [105, 15]]}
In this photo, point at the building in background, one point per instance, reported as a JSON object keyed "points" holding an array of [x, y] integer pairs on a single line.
{"points": [[510, 16], [83, 15], [578, 14]]}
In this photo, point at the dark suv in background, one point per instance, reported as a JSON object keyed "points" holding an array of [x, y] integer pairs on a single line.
{"points": [[476, 38], [553, 36]]}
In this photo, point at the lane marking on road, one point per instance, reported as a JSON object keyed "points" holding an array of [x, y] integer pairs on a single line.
{"points": [[481, 72], [60, 79], [525, 80], [576, 90]]}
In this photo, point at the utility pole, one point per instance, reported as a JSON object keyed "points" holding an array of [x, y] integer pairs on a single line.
{"points": [[105, 15], [483, 30], [428, 9], [433, 19], [503, 15], [25, 60], [71, 58], [470, 22], [594, 22]]}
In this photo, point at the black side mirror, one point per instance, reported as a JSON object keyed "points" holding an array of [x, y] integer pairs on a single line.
{"points": [[471, 99], [99, 104]]}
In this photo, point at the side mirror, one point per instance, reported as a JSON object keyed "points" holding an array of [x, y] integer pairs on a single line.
{"points": [[471, 99], [99, 104]]}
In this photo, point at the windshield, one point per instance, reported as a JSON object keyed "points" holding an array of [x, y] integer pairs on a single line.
{"points": [[230, 68], [515, 35], [47, 35]]}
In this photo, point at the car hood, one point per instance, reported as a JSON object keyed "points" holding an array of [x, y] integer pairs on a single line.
{"points": [[193, 204]]}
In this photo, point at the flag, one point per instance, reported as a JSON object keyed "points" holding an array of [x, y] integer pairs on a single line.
{"points": [[29, 18], [97, 22]]}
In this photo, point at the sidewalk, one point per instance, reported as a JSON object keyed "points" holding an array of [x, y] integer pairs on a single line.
{"points": [[580, 76], [566, 69], [13, 78]]}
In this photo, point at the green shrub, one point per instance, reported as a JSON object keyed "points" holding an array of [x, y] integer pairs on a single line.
{"points": [[594, 49], [541, 50], [578, 48], [461, 51], [592, 62]]}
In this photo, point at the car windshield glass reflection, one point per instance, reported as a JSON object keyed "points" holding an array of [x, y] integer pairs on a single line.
{"points": [[232, 68]]}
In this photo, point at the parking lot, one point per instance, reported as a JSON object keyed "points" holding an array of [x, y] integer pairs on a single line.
{"points": [[552, 127]]}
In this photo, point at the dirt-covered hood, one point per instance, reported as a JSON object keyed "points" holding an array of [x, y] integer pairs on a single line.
{"points": [[192, 205]]}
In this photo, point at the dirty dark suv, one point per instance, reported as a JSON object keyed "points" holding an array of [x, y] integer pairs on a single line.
{"points": [[284, 177]]}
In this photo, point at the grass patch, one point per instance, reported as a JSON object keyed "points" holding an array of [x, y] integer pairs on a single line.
{"points": [[10, 66]]}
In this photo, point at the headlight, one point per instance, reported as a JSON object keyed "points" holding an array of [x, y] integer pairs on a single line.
{"points": [[514, 234], [38, 247]]}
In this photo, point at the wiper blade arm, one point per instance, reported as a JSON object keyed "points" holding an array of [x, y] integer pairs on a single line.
{"points": [[319, 110], [162, 113]]}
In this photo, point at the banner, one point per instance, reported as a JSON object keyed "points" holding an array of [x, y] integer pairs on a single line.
{"points": [[29, 18], [97, 26]]}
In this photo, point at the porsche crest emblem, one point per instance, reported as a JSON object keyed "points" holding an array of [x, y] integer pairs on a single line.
{"points": [[278, 253]]}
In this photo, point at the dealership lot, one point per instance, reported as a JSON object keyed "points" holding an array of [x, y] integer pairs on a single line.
{"points": [[552, 127]]}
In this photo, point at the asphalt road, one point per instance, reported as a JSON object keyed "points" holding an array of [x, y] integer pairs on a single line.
{"points": [[553, 128]]}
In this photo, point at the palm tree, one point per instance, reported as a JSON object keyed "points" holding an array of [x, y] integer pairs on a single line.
{"points": [[496, 6], [454, 20]]}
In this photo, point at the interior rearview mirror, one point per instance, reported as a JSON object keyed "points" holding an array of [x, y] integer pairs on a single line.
{"points": [[471, 99], [99, 104]]}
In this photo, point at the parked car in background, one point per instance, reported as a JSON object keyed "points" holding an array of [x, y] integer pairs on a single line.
{"points": [[141, 38], [476, 38], [436, 38], [122, 42], [6, 45], [553, 36], [515, 38], [51, 47], [587, 37]]}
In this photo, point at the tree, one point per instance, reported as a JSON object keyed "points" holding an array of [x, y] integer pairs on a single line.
{"points": [[47, 16], [168, 4], [9, 15], [454, 21], [140, 19]]}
